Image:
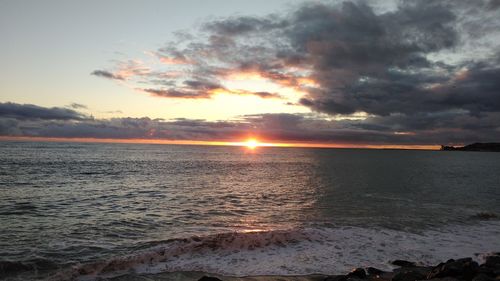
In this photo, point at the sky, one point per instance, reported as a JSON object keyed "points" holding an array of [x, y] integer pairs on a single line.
{"points": [[346, 73]]}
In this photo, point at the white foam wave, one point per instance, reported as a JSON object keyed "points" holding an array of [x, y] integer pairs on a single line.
{"points": [[304, 251]]}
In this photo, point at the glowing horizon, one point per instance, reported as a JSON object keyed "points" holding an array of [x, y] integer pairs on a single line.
{"points": [[252, 143], [248, 143]]}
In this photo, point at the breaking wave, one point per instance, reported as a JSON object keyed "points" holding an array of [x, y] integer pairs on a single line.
{"points": [[296, 251]]}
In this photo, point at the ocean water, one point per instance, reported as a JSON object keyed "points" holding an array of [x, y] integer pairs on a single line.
{"points": [[82, 211]]}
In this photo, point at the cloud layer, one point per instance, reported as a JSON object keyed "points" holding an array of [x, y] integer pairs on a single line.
{"points": [[375, 130], [425, 72], [17, 111]]}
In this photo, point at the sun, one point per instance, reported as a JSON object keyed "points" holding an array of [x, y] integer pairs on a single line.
{"points": [[252, 143]]}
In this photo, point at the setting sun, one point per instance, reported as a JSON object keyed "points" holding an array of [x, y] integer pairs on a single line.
{"points": [[252, 143]]}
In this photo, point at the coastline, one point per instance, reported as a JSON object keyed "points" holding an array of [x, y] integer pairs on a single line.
{"points": [[297, 255], [463, 269], [198, 275]]}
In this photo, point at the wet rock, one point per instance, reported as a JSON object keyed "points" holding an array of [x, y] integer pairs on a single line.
{"points": [[462, 268], [493, 261], [383, 277], [424, 270], [408, 275], [208, 278], [491, 266], [403, 263], [483, 277], [444, 279], [374, 271], [357, 273], [336, 278], [486, 270]]}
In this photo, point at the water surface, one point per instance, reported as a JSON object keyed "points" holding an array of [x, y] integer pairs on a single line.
{"points": [[305, 210]]}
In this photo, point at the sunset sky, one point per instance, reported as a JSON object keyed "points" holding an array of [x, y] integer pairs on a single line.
{"points": [[347, 73]]}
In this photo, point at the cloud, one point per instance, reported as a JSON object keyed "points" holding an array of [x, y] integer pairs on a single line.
{"points": [[423, 128], [360, 60], [204, 89], [206, 93], [170, 93], [106, 74], [266, 95], [34, 112], [78, 106], [239, 26], [419, 71]]}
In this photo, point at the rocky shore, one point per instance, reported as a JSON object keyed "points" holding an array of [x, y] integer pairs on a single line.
{"points": [[465, 269]]}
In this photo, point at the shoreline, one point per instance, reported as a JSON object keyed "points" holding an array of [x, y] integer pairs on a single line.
{"points": [[463, 269], [205, 276], [221, 256]]}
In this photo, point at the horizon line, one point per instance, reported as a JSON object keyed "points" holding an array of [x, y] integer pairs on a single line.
{"points": [[224, 143]]}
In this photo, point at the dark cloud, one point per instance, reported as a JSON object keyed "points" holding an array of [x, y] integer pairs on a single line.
{"points": [[203, 89], [266, 95], [34, 112], [422, 128], [78, 106], [237, 26], [494, 4], [360, 60], [107, 74], [170, 93], [202, 85], [419, 72]]}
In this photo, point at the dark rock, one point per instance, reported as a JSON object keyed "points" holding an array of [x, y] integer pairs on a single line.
{"points": [[403, 263], [492, 261], [462, 268], [336, 278], [444, 279], [374, 271], [384, 277], [484, 269], [408, 275], [208, 278], [491, 266], [424, 270], [482, 277], [357, 273]]}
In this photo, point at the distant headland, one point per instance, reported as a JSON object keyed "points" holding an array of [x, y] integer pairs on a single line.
{"points": [[491, 146]]}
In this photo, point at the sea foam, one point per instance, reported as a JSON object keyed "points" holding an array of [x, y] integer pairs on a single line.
{"points": [[334, 250]]}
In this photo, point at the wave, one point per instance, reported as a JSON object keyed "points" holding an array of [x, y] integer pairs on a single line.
{"points": [[296, 251]]}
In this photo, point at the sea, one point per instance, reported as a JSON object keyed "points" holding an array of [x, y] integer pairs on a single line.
{"points": [[91, 211]]}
